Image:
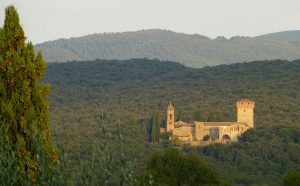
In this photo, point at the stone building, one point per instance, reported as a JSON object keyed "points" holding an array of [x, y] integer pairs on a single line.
{"points": [[211, 132]]}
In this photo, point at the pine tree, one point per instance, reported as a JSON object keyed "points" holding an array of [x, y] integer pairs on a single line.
{"points": [[24, 108]]}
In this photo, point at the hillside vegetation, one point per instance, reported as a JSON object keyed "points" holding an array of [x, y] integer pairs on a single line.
{"points": [[98, 100], [190, 50]]}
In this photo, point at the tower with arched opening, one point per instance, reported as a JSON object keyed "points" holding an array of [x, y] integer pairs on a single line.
{"points": [[170, 118]]}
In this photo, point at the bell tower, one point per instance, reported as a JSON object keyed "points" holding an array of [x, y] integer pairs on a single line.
{"points": [[245, 112], [170, 118]]}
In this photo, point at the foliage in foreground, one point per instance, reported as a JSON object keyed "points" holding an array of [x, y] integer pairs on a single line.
{"points": [[292, 178], [174, 168], [102, 170], [24, 109], [47, 174]]}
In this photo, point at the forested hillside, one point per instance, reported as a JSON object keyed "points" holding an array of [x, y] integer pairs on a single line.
{"points": [[190, 50], [98, 100]]}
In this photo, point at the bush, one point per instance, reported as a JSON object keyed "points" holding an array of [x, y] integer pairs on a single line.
{"points": [[174, 168], [292, 178]]}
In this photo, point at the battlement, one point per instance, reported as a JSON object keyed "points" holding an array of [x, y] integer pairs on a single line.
{"points": [[245, 103]]}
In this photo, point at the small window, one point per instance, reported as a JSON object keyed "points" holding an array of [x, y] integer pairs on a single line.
{"points": [[170, 116]]}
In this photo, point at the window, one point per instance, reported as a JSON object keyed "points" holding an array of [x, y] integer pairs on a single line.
{"points": [[170, 116]]}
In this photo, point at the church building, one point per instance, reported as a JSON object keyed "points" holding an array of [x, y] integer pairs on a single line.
{"points": [[211, 132]]}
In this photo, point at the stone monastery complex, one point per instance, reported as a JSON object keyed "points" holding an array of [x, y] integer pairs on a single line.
{"points": [[211, 132]]}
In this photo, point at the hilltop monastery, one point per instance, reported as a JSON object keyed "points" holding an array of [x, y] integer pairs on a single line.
{"points": [[211, 132]]}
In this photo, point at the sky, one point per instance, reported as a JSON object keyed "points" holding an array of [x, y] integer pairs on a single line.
{"points": [[45, 20]]}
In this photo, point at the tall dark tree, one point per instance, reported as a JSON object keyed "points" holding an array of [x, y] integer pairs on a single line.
{"points": [[155, 131], [24, 107]]}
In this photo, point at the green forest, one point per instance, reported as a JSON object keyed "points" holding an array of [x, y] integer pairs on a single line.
{"points": [[191, 50], [90, 100], [97, 122]]}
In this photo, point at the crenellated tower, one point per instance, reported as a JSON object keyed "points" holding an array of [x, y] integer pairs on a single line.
{"points": [[170, 118], [245, 112]]}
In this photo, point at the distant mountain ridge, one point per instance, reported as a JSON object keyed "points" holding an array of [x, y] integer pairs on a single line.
{"points": [[190, 50]]}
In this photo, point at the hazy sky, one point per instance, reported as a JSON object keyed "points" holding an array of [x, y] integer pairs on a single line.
{"points": [[45, 20]]}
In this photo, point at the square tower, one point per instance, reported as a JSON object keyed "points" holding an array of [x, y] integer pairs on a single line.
{"points": [[245, 112]]}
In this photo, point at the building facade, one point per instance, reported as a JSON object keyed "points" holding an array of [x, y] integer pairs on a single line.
{"points": [[211, 132]]}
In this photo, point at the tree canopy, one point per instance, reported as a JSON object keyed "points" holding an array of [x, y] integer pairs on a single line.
{"points": [[133, 89], [292, 178], [24, 108], [174, 168]]}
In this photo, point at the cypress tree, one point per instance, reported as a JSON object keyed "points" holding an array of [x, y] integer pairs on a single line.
{"points": [[155, 131], [24, 108]]}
